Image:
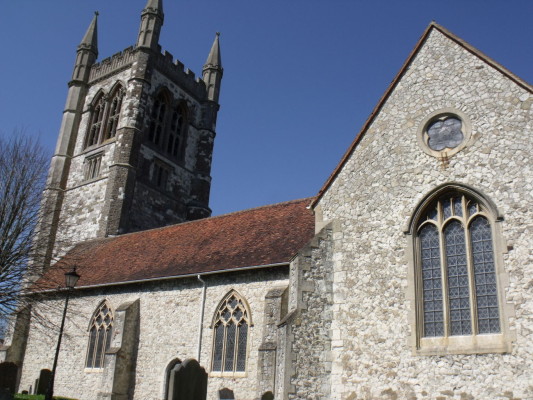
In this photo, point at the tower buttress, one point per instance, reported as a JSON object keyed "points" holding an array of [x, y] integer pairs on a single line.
{"points": [[53, 195], [151, 22]]}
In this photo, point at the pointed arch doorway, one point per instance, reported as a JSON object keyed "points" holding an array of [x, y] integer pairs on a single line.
{"points": [[186, 381]]}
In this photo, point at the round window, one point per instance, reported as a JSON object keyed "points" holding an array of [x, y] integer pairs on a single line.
{"points": [[444, 133]]}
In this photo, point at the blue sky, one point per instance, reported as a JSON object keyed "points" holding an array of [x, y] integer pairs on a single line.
{"points": [[300, 77]]}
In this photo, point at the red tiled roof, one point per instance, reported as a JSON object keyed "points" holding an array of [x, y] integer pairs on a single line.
{"points": [[260, 236]]}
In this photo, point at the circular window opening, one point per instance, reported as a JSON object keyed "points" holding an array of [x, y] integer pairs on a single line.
{"points": [[444, 133]]}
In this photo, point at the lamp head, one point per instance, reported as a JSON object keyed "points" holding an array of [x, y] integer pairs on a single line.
{"points": [[71, 278]]}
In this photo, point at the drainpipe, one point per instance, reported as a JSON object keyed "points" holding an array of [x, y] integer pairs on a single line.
{"points": [[200, 323]]}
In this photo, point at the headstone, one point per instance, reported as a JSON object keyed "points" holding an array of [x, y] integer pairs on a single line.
{"points": [[44, 381], [189, 382], [8, 376], [226, 394], [5, 394], [267, 396]]}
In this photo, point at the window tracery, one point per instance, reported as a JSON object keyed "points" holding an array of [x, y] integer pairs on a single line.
{"points": [[100, 331], [458, 288], [177, 131], [157, 124], [231, 325], [114, 112], [97, 116], [167, 128], [104, 117]]}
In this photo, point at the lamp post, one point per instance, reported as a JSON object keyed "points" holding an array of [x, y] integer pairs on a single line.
{"points": [[71, 278]]}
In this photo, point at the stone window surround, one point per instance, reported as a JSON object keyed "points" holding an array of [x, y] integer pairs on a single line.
{"points": [[231, 374], [172, 104], [92, 167], [92, 323], [448, 111], [103, 137], [160, 174], [468, 344]]}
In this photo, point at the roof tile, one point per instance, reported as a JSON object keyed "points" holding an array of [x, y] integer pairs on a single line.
{"points": [[261, 236]]}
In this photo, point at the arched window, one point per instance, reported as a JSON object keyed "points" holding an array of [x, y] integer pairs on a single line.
{"points": [[458, 278], [105, 113], [178, 131], [157, 123], [114, 112], [100, 331], [95, 124], [231, 323]]}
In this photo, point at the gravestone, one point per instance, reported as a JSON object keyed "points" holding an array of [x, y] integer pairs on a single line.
{"points": [[8, 376], [44, 381], [5, 394], [267, 396], [226, 394], [188, 382]]}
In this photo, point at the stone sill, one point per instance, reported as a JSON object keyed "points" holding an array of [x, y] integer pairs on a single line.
{"points": [[475, 344], [228, 374]]}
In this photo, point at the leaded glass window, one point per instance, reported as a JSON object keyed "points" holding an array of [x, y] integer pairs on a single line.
{"points": [[432, 282], [458, 289], [230, 335], [100, 331], [445, 132], [485, 277]]}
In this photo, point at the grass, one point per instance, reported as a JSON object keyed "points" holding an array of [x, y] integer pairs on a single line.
{"points": [[19, 396]]}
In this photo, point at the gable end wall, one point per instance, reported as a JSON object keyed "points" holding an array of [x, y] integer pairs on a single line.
{"points": [[372, 199]]}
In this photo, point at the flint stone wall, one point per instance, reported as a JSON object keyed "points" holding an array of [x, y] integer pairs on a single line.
{"points": [[169, 323], [305, 349], [374, 196]]}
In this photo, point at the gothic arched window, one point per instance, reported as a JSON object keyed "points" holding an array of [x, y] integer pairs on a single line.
{"points": [[178, 131], [157, 123], [114, 112], [231, 324], [100, 331], [95, 124], [457, 275]]}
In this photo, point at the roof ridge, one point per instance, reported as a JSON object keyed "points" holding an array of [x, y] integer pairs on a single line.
{"points": [[89, 241], [255, 208]]}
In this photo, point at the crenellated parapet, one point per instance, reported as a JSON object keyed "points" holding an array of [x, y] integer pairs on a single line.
{"points": [[181, 76], [111, 65]]}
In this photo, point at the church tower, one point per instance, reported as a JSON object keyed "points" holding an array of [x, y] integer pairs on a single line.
{"points": [[136, 141]]}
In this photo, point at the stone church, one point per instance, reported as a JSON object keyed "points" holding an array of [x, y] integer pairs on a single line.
{"points": [[408, 276]]}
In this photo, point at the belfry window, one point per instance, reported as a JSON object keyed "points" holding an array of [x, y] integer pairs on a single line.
{"points": [[458, 292], [157, 125], [95, 126], [104, 118], [114, 112], [100, 331], [231, 324], [168, 124], [177, 132]]}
